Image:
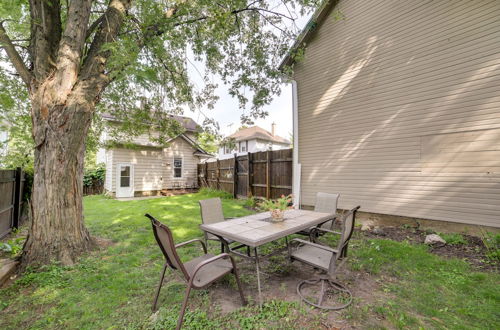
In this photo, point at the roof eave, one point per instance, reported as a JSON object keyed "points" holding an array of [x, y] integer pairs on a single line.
{"points": [[195, 145], [308, 31]]}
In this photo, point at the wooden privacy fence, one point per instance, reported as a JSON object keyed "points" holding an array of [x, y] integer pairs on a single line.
{"points": [[11, 199], [96, 188], [260, 174]]}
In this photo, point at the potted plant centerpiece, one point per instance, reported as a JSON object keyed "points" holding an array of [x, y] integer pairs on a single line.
{"points": [[277, 207]]}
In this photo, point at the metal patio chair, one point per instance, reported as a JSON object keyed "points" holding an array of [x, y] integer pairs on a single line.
{"points": [[211, 212], [326, 203], [198, 272], [327, 259]]}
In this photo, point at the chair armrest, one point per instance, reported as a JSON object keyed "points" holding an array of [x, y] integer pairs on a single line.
{"points": [[326, 230], [192, 241], [332, 219], [326, 248], [313, 234], [210, 260]]}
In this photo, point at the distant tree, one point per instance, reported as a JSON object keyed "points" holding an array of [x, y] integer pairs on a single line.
{"points": [[208, 141], [228, 142], [78, 57]]}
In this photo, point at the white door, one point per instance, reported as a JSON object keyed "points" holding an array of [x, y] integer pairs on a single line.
{"points": [[124, 180]]}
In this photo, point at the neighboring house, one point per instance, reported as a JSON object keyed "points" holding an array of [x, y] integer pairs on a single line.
{"points": [[397, 108], [252, 139], [148, 168]]}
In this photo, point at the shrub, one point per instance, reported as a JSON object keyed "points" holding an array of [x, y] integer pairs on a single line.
{"points": [[216, 193], [492, 243], [251, 202], [28, 183], [13, 246], [454, 239], [94, 176]]}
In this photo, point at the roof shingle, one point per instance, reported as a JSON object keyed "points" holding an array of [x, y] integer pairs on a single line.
{"points": [[256, 132]]}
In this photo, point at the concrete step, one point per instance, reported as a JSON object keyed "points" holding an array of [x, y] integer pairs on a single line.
{"points": [[7, 269]]}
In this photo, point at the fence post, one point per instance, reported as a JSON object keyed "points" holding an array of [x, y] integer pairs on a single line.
{"points": [[217, 175], [235, 176], [198, 174], [249, 175], [206, 175], [268, 175], [17, 198]]}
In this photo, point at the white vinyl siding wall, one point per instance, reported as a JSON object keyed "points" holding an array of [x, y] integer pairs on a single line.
{"points": [[144, 140], [180, 149], [147, 167], [153, 167], [254, 145], [108, 179], [399, 109]]}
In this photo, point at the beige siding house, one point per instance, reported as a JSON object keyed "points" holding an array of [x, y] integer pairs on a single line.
{"points": [[397, 107], [147, 168]]}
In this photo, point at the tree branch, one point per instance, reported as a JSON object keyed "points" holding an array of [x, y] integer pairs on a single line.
{"points": [[45, 35], [94, 25], [250, 7], [93, 68], [157, 30], [71, 47], [14, 57]]}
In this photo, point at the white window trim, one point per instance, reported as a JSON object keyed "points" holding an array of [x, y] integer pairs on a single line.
{"points": [[173, 168]]}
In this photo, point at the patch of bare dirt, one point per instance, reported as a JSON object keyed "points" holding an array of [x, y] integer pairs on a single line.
{"points": [[279, 281], [474, 251]]}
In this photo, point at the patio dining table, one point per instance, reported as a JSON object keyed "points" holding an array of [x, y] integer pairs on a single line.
{"points": [[258, 229]]}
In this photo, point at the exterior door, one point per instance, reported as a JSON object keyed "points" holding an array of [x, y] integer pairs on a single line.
{"points": [[124, 180]]}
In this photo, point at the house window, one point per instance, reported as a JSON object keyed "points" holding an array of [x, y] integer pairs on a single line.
{"points": [[243, 146], [177, 167], [125, 176], [227, 150]]}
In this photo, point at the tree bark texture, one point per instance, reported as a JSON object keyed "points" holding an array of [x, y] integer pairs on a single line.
{"points": [[58, 232]]}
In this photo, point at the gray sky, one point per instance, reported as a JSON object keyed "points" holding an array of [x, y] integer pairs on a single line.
{"points": [[227, 112]]}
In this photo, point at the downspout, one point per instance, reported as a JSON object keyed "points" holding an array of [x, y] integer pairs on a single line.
{"points": [[296, 168]]}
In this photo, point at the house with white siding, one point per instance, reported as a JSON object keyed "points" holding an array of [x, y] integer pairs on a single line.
{"points": [[145, 167], [251, 139], [397, 108]]}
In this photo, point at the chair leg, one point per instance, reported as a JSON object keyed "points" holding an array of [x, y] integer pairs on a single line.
{"points": [[240, 288], [344, 252], [325, 283], [222, 247], [155, 301], [183, 308]]}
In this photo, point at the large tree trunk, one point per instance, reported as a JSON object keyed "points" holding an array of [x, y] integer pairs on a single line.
{"points": [[58, 231], [64, 83]]}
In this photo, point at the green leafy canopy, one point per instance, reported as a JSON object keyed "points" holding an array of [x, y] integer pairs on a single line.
{"points": [[173, 54]]}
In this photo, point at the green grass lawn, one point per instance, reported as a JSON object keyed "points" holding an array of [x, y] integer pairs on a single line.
{"points": [[113, 287]]}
